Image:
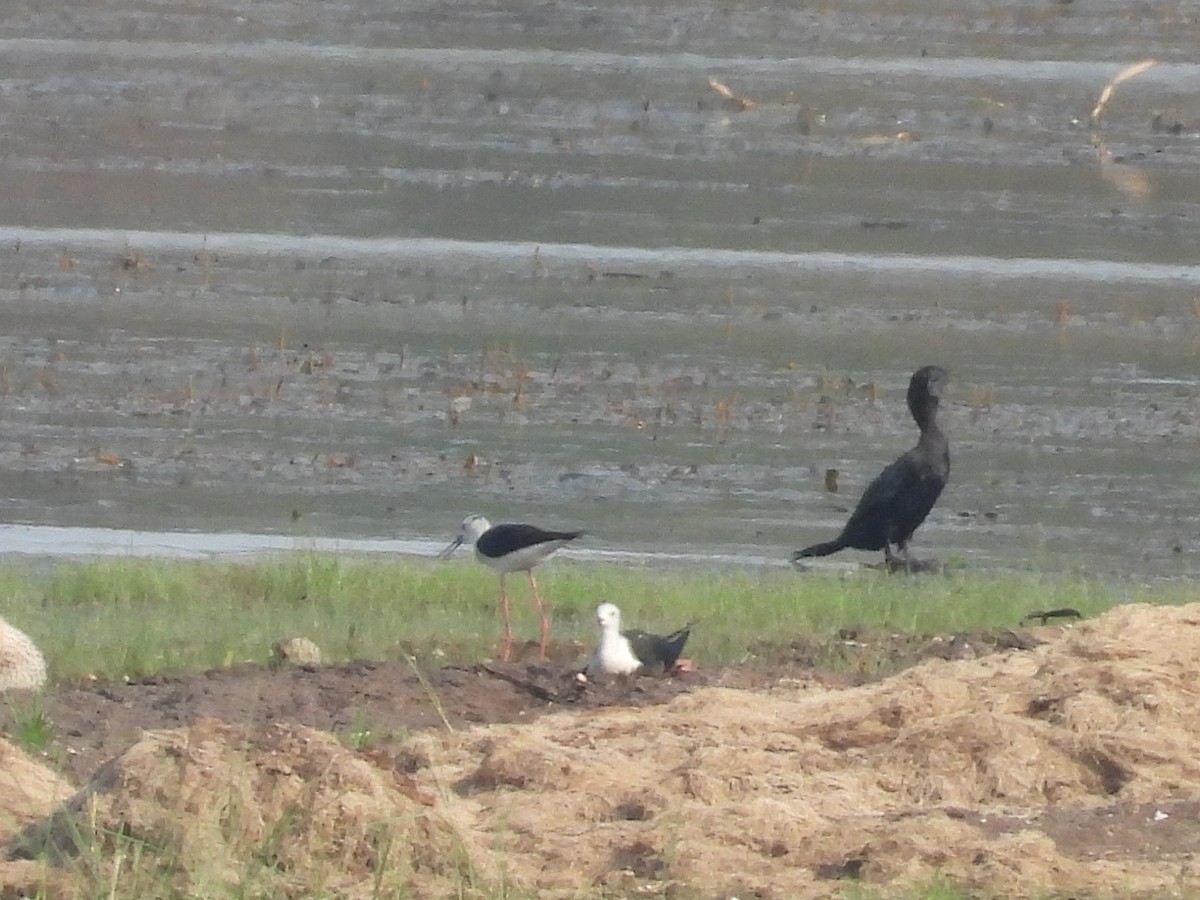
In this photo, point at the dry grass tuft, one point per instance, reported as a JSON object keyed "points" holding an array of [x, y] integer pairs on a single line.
{"points": [[1124, 75], [894, 783], [285, 810], [732, 100], [28, 790], [971, 771], [22, 665]]}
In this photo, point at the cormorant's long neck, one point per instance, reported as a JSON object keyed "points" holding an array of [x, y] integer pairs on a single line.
{"points": [[925, 413]]}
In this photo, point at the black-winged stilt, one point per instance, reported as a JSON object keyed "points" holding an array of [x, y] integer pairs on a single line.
{"points": [[625, 652], [512, 548]]}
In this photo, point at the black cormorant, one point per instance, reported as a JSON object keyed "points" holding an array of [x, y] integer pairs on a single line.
{"points": [[901, 496]]}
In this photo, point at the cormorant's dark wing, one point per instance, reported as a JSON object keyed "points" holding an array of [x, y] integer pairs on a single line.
{"points": [[931, 469], [871, 524]]}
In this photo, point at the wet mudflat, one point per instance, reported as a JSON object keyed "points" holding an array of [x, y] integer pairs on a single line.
{"points": [[354, 270], [357, 270]]}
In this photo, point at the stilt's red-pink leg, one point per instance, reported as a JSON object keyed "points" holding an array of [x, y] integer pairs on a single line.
{"points": [[545, 623], [506, 647]]}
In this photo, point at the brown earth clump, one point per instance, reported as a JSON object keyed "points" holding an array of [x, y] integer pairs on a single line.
{"points": [[1069, 768], [298, 651], [22, 665], [283, 810], [975, 770], [29, 792]]}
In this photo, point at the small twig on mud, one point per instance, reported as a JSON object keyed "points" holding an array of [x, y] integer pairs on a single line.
{"points": [[537, 690], [735, 101], [1124, 75], [1065, 613], [433, 697]]}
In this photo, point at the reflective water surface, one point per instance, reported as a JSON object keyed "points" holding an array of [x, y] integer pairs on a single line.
{"points": [[347, 272]]}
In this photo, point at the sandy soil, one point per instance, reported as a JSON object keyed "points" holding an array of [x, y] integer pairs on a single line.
{"points": [[1054, 760]]}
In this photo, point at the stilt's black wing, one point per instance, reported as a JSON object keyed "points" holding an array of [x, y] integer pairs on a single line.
{"points": [[500, 540]]}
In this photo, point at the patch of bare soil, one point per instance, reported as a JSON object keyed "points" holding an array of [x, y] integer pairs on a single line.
{"points": [[362, 702], [371, 701], [1066, 767]]}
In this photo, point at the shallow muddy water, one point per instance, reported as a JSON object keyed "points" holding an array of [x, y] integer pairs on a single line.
{"points": [[351, 271]]}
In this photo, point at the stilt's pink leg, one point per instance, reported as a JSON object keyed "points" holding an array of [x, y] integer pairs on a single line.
{"points": [[545, 623], [506, 647]]}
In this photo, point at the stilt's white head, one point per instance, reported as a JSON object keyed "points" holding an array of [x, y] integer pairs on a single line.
{"points": [[468, 533]]}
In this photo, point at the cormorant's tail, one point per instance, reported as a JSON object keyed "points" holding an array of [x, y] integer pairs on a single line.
{"points": [[820, 549]]}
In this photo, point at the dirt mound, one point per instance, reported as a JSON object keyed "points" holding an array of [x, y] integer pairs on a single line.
{"points": [[1068, 768], [28, 790], [979, 770], [281, 810], [366, 699]]}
